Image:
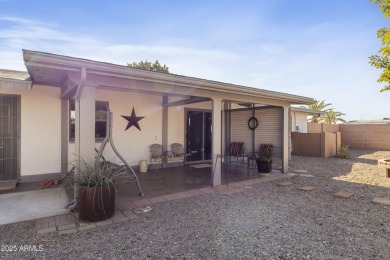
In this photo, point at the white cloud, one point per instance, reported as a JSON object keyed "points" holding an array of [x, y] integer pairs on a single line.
{"points": [[28, 34]]}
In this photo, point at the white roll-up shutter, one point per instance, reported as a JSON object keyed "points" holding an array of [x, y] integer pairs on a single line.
{"points": [[270, 129], [239, 131]]}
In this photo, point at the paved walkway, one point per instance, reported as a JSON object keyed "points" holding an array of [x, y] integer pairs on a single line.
{"points": [[69, 223], [30, 205]]}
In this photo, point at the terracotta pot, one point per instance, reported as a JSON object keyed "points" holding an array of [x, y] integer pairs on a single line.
{"points": [[264, 166], [96, 203]]}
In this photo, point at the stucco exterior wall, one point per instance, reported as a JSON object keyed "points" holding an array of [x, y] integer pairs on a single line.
{"points": [[299, 120], [133, 144], [372, 136], [40, 130]]}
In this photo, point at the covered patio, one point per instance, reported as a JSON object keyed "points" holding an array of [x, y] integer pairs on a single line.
{"points": [[204, 116], [165, 181]]}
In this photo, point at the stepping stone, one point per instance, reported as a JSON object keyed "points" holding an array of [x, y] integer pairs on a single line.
{"points": [[142, 210], [300, 171], [307, 188], [379, 200], [343, 195], [285, 184], [306, 175]]}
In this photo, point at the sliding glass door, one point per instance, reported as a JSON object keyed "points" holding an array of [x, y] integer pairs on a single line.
{"points": [[198, 135]]}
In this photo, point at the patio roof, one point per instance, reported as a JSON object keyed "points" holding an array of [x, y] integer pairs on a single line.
{"points": [[61, 71]]}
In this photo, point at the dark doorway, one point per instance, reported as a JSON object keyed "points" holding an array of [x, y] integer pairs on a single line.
{"points": [[9, 132], [198, 135]]}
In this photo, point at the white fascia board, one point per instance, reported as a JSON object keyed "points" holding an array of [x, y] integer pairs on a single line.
{"points": [[305, 110]]}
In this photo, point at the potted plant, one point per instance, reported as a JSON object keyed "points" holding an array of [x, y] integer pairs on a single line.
{"points": [[96, 183], [264, 160]]}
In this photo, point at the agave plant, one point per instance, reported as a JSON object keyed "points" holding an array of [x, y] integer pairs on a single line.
{"points": [[96, 192], [93, 174]]}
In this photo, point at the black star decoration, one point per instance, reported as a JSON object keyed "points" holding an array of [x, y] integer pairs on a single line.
{"points": [[133, 120]]}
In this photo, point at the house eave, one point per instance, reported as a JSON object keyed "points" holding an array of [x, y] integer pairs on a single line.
{"points": [[307, 111], [74, 65]]}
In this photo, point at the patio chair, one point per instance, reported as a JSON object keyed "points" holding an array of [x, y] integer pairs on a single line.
{"points": [[236, 150], [156, 153], [177, 150]]}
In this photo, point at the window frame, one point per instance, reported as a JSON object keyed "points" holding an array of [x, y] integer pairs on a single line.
{"points": [[98, 103]]}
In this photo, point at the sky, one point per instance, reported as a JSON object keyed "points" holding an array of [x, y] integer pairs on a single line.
{"points": [[312, 48]]}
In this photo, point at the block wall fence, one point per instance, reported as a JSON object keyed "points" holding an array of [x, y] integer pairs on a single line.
{"points": [[367, 136]]}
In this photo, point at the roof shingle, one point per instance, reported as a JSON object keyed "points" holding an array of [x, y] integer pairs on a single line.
{"points": [[14, 74]]}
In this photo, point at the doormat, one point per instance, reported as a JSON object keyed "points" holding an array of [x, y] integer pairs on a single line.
{"points": [[202, 165]]}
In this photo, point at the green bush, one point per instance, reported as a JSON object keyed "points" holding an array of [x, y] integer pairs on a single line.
{"points": [[343, 152]]}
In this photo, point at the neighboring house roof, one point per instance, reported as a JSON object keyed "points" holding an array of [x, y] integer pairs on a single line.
{"points": [[13, 79], [57, 70], [306, 110], [375, 121], [14, 74]]}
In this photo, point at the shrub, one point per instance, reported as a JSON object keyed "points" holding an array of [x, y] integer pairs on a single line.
{"points": [[343, 152]]}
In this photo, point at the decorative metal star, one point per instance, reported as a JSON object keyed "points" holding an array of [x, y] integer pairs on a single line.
{"points": [[133, 120]]}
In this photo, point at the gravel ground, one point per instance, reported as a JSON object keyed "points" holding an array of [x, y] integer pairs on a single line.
{"points": [[262, 222]]}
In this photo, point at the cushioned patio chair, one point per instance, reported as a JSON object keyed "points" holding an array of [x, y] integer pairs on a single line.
{"points": [[177, 150], [236, 150], [156, 153]]}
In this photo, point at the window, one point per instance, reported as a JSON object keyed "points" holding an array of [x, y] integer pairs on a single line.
{"points": [[101, 109]]}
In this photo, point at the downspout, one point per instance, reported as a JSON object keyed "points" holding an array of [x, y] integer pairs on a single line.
{"points": [[75, 203]]}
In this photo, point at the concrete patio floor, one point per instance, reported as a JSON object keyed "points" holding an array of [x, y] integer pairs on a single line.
{"points": [[165, 181]]}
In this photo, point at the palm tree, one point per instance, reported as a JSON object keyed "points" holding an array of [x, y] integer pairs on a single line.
{"points": [[318, 106], [332, 117]]}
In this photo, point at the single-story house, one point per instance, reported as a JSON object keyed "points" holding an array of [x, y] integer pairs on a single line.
{"points": [[56, 113], [299, 118]]}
